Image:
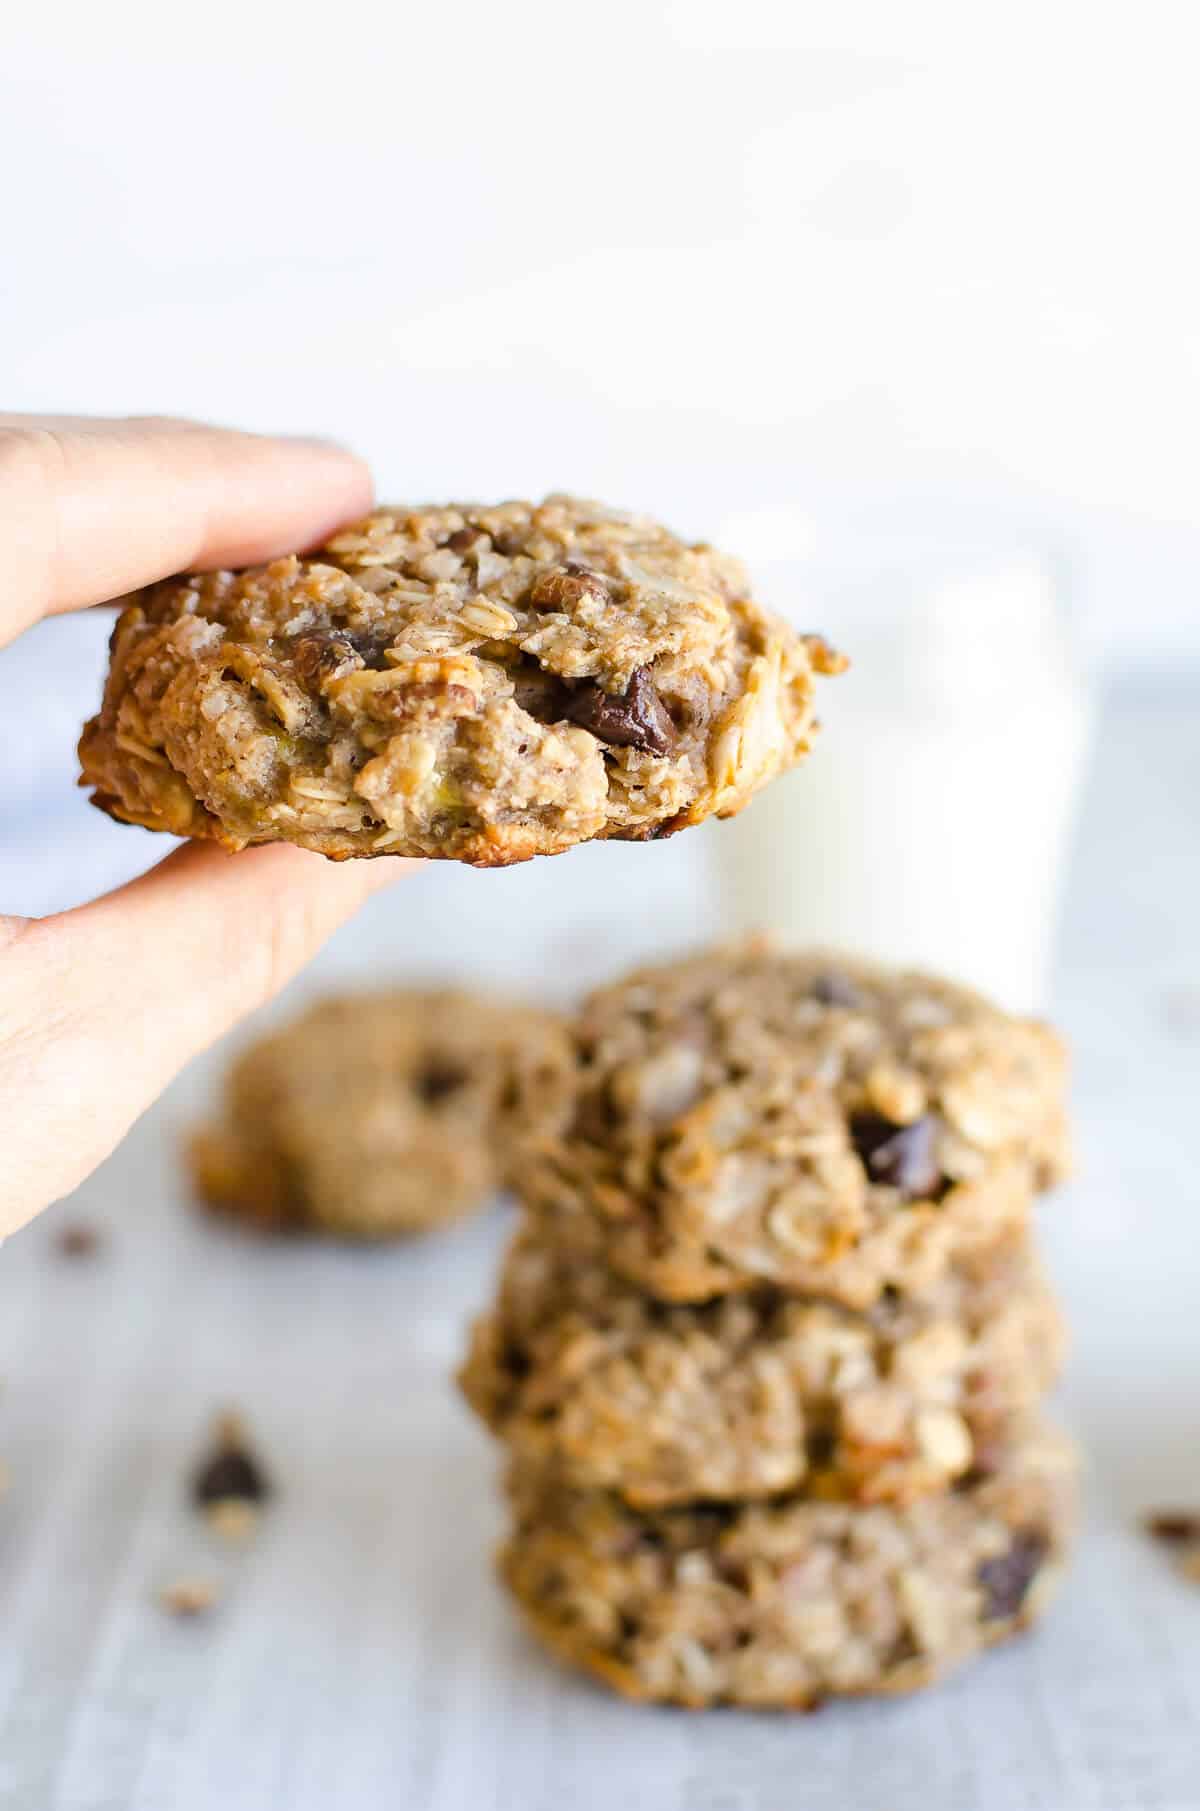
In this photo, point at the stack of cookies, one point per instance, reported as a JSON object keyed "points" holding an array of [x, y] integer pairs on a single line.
{"points": [[770, 1343]]}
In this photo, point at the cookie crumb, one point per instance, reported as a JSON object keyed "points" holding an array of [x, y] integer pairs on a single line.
{"points": [[186, 1597], [231, 1473], [232, 1519], [78, 1239]]}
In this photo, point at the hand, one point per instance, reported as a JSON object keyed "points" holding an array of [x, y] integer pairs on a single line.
{"points": [[100, 1006]]}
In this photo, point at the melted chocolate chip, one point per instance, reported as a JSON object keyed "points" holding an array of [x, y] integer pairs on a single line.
{"points": [[515, 1361], [438, 1079], [901, 1157], [461, 539], [822, 1445], [594, 1117], [833, 988], [1005, 1580], [543, 695], [635, 719]]}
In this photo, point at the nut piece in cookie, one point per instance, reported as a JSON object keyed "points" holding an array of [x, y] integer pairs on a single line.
{"points": [[477, 683], [833, 1127], [374, 1116]]}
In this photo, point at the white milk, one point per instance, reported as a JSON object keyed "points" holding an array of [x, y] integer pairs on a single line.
{"points": [[931, 823]]}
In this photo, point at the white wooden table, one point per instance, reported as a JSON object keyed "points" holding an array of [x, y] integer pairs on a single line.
{"points": [[361, 1659]]}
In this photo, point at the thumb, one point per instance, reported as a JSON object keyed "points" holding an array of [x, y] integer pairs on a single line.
{"points": [[101, 1006]]}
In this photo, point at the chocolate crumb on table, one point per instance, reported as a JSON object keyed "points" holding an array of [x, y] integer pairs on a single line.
{"points": [[1177, 1527], [1179, 1531], [78, 1239], [231, 1473]]}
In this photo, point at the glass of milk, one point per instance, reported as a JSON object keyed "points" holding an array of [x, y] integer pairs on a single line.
{"points": [[931, 823]]}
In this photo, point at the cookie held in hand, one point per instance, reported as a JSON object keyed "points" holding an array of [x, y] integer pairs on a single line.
{"points": [[468, 683]]}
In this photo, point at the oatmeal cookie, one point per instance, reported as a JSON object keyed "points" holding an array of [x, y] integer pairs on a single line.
{"points": [[761, 1392], [782, 1604], [373, 1116], [482, 684], [830, 1126]]}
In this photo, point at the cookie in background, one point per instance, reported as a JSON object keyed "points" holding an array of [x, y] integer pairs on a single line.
{"points": [[378, 1115]]}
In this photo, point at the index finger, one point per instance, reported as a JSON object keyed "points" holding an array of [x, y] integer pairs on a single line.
{"points": [[90, 509]]}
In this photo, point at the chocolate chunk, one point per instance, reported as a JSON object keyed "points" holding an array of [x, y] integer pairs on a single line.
{"points": [[509, 543], [565, 591], [231, 1472], [543, 695], [438, 1079], [1179, 1527], [902, 1157], [229, 1475], [822, 1445], [1005, 1580], [833, 988], [461, 539], [594, 1117], [635, 719], [78, 1240]]}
